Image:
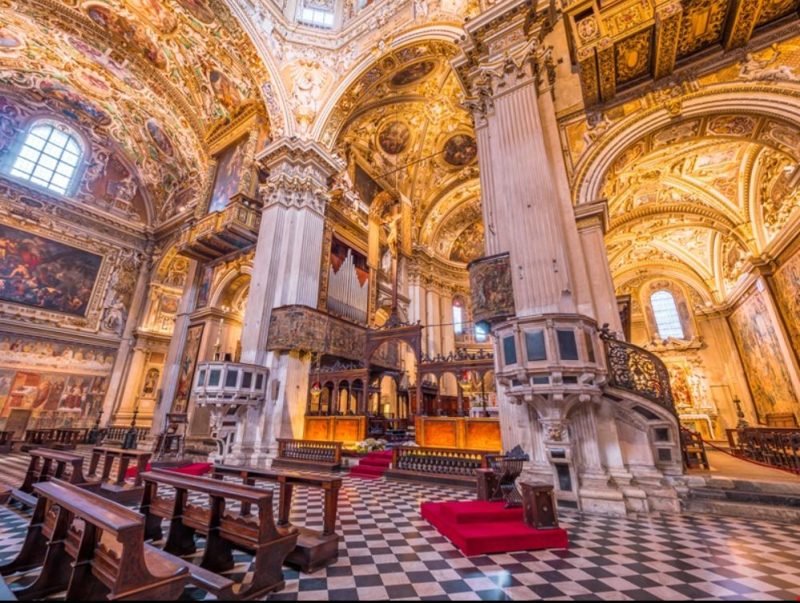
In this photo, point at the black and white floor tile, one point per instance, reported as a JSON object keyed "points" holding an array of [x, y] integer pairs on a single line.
{"points": [[390, 552]]}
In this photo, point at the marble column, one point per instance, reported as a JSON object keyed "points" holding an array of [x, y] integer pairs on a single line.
{"points": [[559, 277], [286, 271], [432, 321], [169, 381], [592, 221]]}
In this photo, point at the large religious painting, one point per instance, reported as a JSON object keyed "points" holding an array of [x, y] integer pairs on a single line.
{"points": [[764, 362], [46, 274], [365, 186], [348, 282], [63, 383], [787, 290], [230, 169], [492, 291], [188, 363]]}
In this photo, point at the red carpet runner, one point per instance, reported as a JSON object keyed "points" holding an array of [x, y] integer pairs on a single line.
{"points": [[373, 466], [478, 527]]}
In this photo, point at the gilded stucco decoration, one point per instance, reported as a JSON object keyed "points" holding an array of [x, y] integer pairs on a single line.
{"points": [[402, 122], [153, 77], [628, 41]]}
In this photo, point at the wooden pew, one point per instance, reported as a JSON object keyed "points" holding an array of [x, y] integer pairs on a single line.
{"points": [[67, 438], [224, 531], [315, 549], [116, 488], [37, 438], [6, 441], [46, 464], [309, 454], [94, 549]]}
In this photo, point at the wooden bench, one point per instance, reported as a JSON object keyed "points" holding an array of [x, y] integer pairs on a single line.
{"points": [[37, 438], [67, 438], [315, 549], [309, 454], [94, 549], [6, 441], [117, 488], [224, 530], [46, 464], [439, 465]]}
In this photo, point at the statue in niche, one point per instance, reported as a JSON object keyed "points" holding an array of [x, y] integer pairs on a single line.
{"points": [[150, 382]]}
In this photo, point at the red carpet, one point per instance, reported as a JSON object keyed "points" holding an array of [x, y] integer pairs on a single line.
{"points": [[193, 469], [478, 527], [373, 466]]}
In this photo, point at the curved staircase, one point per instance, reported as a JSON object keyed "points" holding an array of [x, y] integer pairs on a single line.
{"points": [[373, 466]]}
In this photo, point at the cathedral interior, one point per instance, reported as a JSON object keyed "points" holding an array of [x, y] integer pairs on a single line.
{"points": [[236, 232]]}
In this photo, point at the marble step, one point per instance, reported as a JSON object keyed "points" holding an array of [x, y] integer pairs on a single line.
{"points": [[751, 497], [776, 513]]}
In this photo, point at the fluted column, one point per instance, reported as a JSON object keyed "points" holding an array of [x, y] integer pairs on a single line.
{"points": [[592, 221], [286, 271]]}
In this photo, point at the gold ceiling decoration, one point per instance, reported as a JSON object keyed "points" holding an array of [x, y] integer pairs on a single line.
{"points": [[403, 123], [702, 196], [153, 77], [617, 44]]}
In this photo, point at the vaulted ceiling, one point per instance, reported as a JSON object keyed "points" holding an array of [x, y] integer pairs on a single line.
{"points": [[701, 197], [402, 122], [147, 81]]}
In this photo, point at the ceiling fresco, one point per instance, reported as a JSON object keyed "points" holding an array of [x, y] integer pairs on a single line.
{"points": [[153, 76], [402, 122], [702, 195]]}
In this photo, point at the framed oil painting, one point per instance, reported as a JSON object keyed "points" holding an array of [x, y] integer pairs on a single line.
{"points": [[46, 274]]}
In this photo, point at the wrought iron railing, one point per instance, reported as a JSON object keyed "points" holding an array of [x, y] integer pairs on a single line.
{"points": [[638, 371]]}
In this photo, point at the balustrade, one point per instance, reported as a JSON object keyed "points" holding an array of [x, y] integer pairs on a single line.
{"points": [[779, 447], [638, 371]]}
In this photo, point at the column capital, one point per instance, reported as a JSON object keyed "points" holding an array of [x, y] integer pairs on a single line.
{"points": [[298, 173], [592, 214], [503, 50]]}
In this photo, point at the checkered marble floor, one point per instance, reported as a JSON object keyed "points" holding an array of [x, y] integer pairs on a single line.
{"points": [[390, 552]]}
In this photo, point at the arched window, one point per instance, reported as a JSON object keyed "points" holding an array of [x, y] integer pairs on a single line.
{"points": [[481, 332], [458, 316], [665, 312], [48, 157]]}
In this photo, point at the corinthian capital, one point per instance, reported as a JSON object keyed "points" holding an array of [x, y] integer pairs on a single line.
{"points": [[503, 50], [298, 172]]}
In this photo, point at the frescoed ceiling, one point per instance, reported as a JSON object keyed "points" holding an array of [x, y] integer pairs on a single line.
{"points": [[701, 197], [154, 77], [402, 122], [618, 44]]}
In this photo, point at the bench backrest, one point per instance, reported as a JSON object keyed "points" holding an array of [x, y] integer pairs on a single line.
{"points": [[289, 477], [218, 492]]}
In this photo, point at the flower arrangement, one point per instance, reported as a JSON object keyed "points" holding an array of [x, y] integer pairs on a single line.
{"points": [[370, 445]]}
